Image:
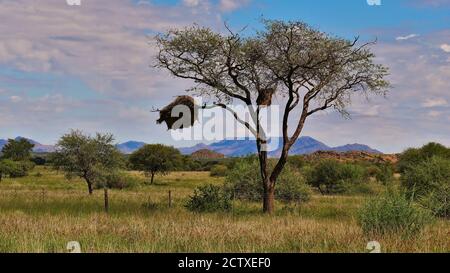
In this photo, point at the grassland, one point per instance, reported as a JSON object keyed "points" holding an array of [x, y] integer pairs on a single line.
{"points": [[42, 212]]}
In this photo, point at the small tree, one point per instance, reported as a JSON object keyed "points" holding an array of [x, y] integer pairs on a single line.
{"points": [[80, 155], [428, 183], [312, 70], [153, 159], [412, 156], [6, 166], [18, 149]]}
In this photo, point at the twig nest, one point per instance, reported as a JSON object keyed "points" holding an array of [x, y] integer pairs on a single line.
{"points": [[265, 97], [180, 114]]}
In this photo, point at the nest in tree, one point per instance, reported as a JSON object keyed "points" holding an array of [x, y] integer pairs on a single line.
{"points": [[180, 114], [265, 97]]}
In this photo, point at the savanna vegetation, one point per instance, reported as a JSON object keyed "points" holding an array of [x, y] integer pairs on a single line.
{"points": [[322, 206]]}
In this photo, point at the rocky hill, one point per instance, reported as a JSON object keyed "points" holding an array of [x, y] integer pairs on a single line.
{"points": [[207, 154]]}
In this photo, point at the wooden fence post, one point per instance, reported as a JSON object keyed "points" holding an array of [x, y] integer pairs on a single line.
{"points": [[106, 200], [170, 198]]}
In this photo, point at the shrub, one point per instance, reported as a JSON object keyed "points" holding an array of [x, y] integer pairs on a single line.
{"points": [[412, 157], [392, 213], [296, 161], [116, 180], [244, 182], [428, 183], [219, 171], [292, 187], [209, 198], [20, 168], [332, 177], [383, 172]]}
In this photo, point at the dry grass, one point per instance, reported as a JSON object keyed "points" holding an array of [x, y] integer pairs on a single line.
{"points": [[41, 214]]}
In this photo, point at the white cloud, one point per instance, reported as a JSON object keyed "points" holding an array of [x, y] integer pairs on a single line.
{"points": [[230, 5], [434, 102], [434, 114], [15, 99], [104, 43], [191, 3], [445, 47], [407, 37]]}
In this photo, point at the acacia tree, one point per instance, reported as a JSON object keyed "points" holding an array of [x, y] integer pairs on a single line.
{"points": [[153, 159], [311, 70], [18, 149], [80, 155]]}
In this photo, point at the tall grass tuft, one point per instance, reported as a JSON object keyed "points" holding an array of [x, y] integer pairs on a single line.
{"points": [[392, 213]]}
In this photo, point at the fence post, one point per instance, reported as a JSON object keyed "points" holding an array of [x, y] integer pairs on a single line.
{"points": [[170, 198], [106, 200]]}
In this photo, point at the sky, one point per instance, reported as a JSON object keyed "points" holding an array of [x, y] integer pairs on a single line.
{"points": [[89, 67]]}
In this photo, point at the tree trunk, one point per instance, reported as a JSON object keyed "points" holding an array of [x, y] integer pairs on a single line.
{"points": [[269, 198], [152, 178], [90, 188]]}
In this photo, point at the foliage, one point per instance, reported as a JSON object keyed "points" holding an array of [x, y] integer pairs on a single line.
{"points": [[315, 70], [428, 183], [17, 149], [392, 213], [15, 169], [80, 155], [115, 180], [412, 156], [243, 181], [383, 173], [331, 176], [39, 160], [153, 159], [209, 198], [219, 171], [292, 187]]}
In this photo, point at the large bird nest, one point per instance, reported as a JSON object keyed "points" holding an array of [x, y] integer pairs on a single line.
{"points": [[179, 119], [265, 97]]}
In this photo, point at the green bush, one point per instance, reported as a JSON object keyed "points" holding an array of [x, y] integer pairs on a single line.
{"points": [[392, 213], [116, 180], [209, 198], [386, 174], [428, 183], [412, 157], [243, 181], [18, 169], [219, 171], [383, 173], [292, 187], [333, 177]]}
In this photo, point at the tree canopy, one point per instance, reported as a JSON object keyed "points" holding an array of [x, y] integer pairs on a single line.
{"points": [[309, 70], [87, 157], [17, 149], [153, 159]]}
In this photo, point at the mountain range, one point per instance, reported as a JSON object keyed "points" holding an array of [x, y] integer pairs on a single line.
{"points": [[230, 148], [304, 145]]}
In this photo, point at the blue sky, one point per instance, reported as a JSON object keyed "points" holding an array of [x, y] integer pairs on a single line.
{"points": [[88, 66]]}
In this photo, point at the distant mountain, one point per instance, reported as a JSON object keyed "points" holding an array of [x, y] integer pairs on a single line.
{"points": [[193, 149], [130, 146], [355, 147], [207, 154], [304, 145], [38, 147], [231, 148]]}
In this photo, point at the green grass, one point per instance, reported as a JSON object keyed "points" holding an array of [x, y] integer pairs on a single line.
{"points": [[43, 213]]}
